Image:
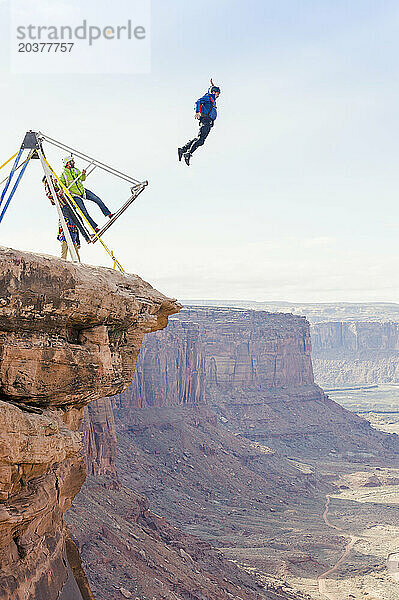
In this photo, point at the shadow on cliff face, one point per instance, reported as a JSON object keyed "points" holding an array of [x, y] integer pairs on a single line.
{"points": [[71, 591], [241, 472], [69, 333], [125, 546], [254, 369]]}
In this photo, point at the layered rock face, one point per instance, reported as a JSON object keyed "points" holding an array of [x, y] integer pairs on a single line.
{"points": [[41, 472], [355, 353], [222, 348], [253, 349], [240, 468], [99, 438], [258, 378], [355, 337], [69, 334], [161, 371]]}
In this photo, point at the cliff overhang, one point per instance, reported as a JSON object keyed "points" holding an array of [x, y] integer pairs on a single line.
{"points": [[69, 334]]}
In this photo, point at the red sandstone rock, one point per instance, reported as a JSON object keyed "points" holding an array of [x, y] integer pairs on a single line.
{"points": [[258, 377], [145, 555], [69, 334], [162, 371], [99, 438], [219, 347]]}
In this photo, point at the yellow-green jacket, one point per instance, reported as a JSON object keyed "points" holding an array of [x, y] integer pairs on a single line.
{"points": [[69, 175]]}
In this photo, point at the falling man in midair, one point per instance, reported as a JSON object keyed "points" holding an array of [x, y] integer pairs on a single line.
{"points": [[205, 112]]}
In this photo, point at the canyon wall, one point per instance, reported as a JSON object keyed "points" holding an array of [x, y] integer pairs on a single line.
{"points": [[355, 353], [241, 467], [99, 438], [219, 348], [253, 349], [161, 371], [69, 334], [181, 455], [257, 377], [355, 337], [352, 344]]}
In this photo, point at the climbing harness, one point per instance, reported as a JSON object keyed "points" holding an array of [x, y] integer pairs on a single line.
{"points": [[136, 189], [33, 142], [83, 216]]}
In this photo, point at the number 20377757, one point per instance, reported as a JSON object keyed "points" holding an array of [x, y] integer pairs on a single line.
{"points": [[45, 47]]}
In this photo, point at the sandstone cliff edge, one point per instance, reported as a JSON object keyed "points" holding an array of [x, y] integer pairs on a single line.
{"points": [[69, 334]]}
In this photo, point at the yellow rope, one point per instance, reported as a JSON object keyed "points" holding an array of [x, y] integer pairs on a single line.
{"points": [[17, 169], [110, 252], [10, 159]]}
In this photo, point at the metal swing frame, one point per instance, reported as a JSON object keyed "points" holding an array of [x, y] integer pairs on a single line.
{"points": [[33, 142]]}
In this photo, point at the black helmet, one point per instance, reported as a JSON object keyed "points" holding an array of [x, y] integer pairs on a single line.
{"points": [[215, 89]]}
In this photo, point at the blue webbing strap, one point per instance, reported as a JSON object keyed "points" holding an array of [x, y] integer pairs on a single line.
{"points": [[3, 193], [13, 190]]}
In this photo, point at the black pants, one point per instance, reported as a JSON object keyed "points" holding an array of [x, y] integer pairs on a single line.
{"points": [[205, 127], [68, 212]]}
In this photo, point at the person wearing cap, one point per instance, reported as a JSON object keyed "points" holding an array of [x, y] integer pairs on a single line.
{"points": [[206, 113], [72, 179]]}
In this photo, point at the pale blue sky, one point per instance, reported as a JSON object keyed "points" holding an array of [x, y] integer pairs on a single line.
{"points": [[294, 197]]}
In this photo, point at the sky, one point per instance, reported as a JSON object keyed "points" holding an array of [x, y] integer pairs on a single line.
{"points": [[294, 197]]}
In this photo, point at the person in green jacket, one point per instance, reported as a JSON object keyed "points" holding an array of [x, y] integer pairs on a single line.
{"points": [[72, 179]]}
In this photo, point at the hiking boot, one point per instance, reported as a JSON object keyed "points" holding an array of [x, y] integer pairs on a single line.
{"points": [[187, 157], [180, 153], [110, 215]]}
